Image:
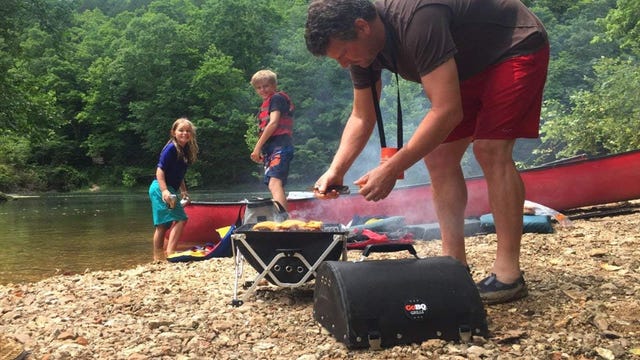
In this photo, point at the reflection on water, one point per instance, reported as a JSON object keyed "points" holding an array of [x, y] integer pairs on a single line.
{"points": [[48, 235], [43, 236]]}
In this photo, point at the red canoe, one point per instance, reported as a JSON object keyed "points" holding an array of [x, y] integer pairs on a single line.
{"points": [[572, 183]]}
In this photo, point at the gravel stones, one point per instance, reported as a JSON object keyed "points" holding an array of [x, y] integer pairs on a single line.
{"points": [[584, 286]]}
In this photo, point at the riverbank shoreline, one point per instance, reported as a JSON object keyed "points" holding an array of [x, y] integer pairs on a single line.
{"points": [[584, 283]]}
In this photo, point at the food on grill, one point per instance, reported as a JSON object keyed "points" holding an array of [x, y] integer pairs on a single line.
{"points": [[291, 224], [313, 225], [288, 225], [266, 226]]}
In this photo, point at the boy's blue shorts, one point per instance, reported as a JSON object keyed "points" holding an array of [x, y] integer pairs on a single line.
{"points": [[276, 163]]}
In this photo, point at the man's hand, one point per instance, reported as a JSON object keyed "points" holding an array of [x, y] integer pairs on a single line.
{"points": [[331, 192], [326, 187], [376, 185]]}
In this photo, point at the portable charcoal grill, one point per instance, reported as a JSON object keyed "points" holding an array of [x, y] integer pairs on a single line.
{"points": [[284, 258]]}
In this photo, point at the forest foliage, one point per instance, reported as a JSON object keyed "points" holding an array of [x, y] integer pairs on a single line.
{"points": [[90, 88]]}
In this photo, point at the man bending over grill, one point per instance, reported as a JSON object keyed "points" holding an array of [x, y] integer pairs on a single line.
{"points": [[483, 66]]}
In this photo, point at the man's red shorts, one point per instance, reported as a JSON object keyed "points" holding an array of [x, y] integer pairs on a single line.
{"points": [[504, 101]]}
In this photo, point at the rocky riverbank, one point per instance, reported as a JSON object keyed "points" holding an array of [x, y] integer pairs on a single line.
{"points": [[584, 285]]}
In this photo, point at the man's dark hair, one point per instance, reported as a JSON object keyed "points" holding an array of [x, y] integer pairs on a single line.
{"points": [[327, 19]]}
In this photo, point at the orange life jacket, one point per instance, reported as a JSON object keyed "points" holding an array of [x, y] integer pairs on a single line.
{"points": [[285, 124]]}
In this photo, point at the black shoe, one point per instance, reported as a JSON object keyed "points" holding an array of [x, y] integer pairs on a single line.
{"points": [[493, 291]]}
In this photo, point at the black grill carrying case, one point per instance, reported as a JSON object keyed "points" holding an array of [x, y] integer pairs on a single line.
{"points": [[383, 303]]}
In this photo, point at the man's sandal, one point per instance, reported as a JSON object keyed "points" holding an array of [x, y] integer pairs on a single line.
{"points": [[493, 291]]}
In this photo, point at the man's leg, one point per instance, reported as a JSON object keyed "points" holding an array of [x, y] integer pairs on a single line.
{"points": [[506, 198], [449, 195], [511, 98]]}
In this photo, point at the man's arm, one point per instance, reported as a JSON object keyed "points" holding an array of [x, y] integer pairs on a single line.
{"points": [[356, 132], [443, 90], [442, 87]]}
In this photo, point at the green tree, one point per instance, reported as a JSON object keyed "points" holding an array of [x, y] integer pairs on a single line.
{"points": [[602, 115], [622, 24], [223, 95], [242, 29], [90, 88], [161, 69], [32, 105], [24, 105], [605, 119], [572, 27]]}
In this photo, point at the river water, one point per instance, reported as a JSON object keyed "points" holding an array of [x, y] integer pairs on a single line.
{"points": [[67, 234]]}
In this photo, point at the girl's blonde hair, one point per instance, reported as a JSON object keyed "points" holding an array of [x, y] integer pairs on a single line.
{"points": [[190, 152]]}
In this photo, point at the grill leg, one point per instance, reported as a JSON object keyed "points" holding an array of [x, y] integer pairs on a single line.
{"points": [[238, 273]]}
